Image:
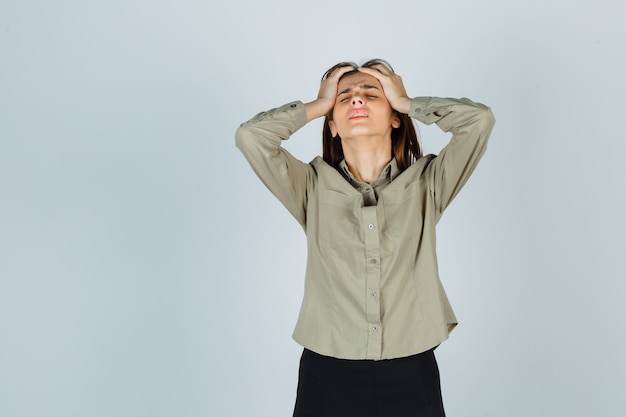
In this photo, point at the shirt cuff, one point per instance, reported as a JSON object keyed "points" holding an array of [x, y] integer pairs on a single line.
{"points": [[296, 111], [418, 105], [422, 109]]}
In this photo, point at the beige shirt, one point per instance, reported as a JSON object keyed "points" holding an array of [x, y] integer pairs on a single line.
{"points": [[372, 287]]}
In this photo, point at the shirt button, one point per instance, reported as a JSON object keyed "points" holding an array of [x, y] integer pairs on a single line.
{"points": [[367, 190], [370, 226], [374, 328], [374, 295], [373, 261]]}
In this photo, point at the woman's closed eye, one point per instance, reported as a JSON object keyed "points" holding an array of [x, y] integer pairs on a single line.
{"points": [[369, 97]]}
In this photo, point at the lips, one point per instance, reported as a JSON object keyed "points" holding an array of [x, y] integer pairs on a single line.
{"points": [[358, 114]]}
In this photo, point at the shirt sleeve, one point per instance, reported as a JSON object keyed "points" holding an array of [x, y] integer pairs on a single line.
{"points": [[260, 138], [470, 124]]}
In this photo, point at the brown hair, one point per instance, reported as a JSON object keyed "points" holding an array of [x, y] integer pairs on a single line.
{"points": [[405, 146]]}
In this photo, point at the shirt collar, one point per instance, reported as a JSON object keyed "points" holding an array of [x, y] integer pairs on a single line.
{"points": [[389, 173]]}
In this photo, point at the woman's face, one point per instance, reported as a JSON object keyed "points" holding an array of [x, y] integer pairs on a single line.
{"points": [[361, 109]]}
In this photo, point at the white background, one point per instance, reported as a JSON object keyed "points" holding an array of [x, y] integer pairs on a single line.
{"points": [[145, 271]]}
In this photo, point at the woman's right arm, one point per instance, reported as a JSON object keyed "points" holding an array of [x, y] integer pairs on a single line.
{"points": [[260, 139]]}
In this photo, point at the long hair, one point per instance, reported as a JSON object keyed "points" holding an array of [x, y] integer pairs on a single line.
{"points": [[405, 145]]}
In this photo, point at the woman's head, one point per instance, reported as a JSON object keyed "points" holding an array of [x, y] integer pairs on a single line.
{"points": [[404, 143]]}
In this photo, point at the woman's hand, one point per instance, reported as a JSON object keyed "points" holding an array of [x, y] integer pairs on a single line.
{"points": [[327, 94], [393, 87]]}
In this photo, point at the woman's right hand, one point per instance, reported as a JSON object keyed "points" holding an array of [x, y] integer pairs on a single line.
{"points": [[327, 94]]}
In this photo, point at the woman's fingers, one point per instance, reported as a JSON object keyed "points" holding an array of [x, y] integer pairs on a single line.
{"points": [[377, 70], [328, 87], [327, 93], [392, 84], [338, 72]]}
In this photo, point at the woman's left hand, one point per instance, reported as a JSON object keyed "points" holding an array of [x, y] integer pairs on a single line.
{"points": [[393, 87]]}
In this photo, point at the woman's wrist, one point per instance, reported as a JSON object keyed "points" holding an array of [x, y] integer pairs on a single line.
{"points": [[403, 105], [317, 108]]}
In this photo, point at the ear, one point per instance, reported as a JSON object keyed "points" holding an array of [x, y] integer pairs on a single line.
{"points": [[333, 128], [395, 122]]}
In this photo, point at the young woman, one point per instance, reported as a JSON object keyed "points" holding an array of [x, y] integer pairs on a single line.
{"points": [[374, 308]]}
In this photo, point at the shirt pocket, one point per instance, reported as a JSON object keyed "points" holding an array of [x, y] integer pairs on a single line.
{"points": [[404, 211], [337, 216]]}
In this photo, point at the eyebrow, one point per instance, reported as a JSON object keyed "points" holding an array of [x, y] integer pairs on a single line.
{"points": [[364, 87]]}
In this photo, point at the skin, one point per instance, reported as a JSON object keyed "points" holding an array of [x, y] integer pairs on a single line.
{"points": [[363, 115]]}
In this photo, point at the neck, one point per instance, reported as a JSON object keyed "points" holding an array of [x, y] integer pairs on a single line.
{"points": [[366, 159]]}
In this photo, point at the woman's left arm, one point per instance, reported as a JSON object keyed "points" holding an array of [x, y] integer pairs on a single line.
{"points": [[470, 124]]}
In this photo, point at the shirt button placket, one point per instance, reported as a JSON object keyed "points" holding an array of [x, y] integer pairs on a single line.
{"points": [[373, 273]]}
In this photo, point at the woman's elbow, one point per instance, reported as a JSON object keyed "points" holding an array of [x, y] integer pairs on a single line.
{"points": [[242, 136]]}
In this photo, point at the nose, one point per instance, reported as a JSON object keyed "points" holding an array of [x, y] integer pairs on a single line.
{"points": [[357, 100]]}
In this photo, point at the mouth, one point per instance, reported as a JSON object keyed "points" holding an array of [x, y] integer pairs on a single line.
{"points": [[358, 114]]}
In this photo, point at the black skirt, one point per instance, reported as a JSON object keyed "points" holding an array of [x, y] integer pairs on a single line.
{"points": [[403, 387]]}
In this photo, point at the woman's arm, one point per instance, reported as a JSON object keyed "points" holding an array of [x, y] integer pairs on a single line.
{"points": [[470, 124], [260, 139]]}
